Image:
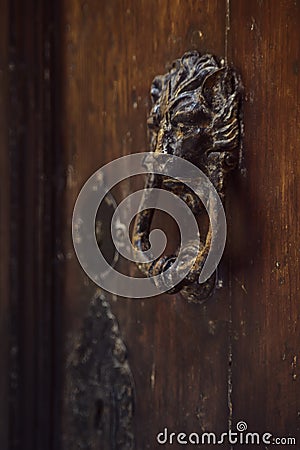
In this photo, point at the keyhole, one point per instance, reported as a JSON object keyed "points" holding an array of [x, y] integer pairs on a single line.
{"points": [[98, 413]]}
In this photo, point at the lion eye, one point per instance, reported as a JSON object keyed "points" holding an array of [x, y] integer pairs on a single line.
{"points": [[180, 119], [188, 119]]}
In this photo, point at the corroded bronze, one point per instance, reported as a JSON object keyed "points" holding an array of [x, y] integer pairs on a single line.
{"points": [[195, 115]]}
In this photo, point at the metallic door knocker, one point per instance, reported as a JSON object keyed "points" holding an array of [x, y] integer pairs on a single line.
{"points": [[196, 114]]}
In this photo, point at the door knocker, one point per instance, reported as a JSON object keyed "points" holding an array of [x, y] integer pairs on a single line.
{"points": [[196, 115]]}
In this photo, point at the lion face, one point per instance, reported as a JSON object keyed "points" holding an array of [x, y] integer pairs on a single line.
{"points": [[195, 109]]}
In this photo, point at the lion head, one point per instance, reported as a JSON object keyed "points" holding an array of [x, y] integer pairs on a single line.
{"points": [[195, 109]]}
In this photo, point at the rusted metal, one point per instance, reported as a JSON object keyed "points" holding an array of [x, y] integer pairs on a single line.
{"points": [[196, 114], [100, 388]]}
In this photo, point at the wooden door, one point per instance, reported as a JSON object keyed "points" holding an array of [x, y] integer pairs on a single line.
{"points": [[75, 79]]}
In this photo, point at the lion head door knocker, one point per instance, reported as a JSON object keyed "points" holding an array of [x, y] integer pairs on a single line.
{"points": [[196, 115]]}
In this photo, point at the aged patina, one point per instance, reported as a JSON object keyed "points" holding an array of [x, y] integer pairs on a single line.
{"points": [[196, 114]]}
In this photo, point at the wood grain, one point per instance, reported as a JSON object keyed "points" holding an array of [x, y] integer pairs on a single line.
{"points": [[33, 180], [178, 352], [74, 94], [264, 223], [220, 363]]}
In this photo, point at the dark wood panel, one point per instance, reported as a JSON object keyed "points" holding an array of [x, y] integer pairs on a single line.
{"points": [[33, 178], [264, 44], [4, 228], [74, 92], [178, 352]]}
